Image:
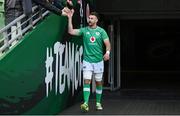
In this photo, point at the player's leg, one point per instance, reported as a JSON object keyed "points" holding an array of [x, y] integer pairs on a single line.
{"points": [[87, 75], [99, 89], [86, 87], [86, 90], [99, 68]]}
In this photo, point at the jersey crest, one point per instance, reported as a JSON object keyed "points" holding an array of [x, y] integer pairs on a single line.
{"points": [[97, 33]]}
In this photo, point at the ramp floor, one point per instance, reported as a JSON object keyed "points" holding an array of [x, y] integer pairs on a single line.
{"points": [[133, 102]]}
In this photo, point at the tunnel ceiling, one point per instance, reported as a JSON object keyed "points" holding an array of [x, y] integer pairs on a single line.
{"points": [[152, 8]]}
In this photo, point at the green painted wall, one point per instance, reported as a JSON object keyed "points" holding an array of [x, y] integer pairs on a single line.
{"points": [[22, 72], [22, 69]]}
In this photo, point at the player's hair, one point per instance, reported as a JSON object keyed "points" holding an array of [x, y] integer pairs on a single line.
{"points": [[95, 14]]}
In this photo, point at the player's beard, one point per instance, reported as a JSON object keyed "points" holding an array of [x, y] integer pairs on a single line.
{"points": [[90, 23]]}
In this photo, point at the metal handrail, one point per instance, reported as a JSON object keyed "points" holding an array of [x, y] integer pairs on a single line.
{"points": [[16, 20], [8, 41]]}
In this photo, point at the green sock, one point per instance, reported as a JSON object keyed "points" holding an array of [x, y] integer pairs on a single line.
{"points": [[86, 92], [98, 93]]}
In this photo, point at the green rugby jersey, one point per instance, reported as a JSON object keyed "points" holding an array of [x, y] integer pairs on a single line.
{"points": [[93, 40]]}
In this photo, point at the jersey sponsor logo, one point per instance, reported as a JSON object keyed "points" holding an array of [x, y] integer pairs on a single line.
{"points": [[92, 39]]}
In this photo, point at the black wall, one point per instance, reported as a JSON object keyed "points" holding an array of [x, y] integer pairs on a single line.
{"points": [[150, 54], [150, 44]]}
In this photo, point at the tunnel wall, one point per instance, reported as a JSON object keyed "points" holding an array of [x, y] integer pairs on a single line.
{"points": [[31, 80]]}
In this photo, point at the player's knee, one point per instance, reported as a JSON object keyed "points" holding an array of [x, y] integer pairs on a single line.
{"points": [[99, 83], [98, 77], [87, 81], [87, 75]]}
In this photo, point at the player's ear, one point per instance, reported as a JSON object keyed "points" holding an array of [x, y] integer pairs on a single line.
{"points": [[96, 20]]}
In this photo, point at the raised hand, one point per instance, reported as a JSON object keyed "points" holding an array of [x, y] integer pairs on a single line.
{"points": [[70, 13], [65, 11]]}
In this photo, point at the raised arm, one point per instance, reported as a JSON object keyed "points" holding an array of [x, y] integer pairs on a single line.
{"points": [[48, 6], [70, 25]]}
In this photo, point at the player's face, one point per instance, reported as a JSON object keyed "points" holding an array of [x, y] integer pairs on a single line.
{"points": [[92, 20]]}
